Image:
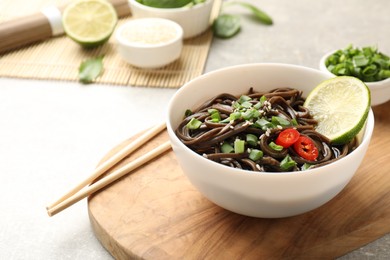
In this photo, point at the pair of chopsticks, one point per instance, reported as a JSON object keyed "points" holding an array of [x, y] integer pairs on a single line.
{"points": [[82, 190]]}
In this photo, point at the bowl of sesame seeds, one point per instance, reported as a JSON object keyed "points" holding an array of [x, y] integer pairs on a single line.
{"points": [[149, 43]]}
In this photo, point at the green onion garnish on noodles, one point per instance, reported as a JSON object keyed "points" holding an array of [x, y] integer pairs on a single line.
{"points": [[251, 139], [287, 163], [239, 146], [194, 124], [255, 154], [227, 148], [275, 146]]}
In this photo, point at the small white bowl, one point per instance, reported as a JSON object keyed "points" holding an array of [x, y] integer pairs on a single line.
{"points": [[194, 20], [266, 194], [380, 90], [149, 42]]}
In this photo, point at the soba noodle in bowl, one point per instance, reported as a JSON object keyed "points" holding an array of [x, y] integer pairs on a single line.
{"points": [[258, 186], [262, 123]]}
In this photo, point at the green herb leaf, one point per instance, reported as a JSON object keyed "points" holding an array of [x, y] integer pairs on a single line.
{"points": [[258, 14], [90, 69], [226, 25]]}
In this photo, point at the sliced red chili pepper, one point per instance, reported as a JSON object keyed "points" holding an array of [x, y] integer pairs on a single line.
{"points": [[287, 137], [306, 148]]}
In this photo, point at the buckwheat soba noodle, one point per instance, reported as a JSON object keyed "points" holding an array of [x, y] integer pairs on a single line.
{"points": [[259, 131]]}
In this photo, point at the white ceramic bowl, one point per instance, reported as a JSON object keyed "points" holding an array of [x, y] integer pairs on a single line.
{"points": [[380, 90], [149, 42], [194, 20], [266, 195]]}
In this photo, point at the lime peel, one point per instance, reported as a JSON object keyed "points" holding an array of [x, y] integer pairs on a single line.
{"points": [[341, 106]]}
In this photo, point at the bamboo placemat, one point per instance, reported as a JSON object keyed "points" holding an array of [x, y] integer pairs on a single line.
{"points": [[59, 58]]}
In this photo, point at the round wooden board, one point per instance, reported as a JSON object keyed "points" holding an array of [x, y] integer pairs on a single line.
{"points": [[155, 213]]}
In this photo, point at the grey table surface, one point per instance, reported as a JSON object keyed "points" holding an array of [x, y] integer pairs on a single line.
{"points": [[54, 133]]}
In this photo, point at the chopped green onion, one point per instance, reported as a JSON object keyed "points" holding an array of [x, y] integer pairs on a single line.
{"points": [[255, 154], [251, 139], [306, 166], [225, 121], [250, 114], [287, 163], [370, 70], [360, 60], [194, 124], [243, 99], [277, 120], [239, 146], [263, 124], [262, 100], [212, 111], [275, 146], [294, 122], [215, 117], [246, 104], [257, 105], [188, 112], [236, 105], [367, 63], [235, 115], [227, 148]]}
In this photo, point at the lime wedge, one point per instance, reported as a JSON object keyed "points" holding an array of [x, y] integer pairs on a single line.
{"points": [[341, 106], [89, 22]]}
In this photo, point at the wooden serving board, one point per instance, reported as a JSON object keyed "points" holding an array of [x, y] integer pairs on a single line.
{"points": [[155, 213]]}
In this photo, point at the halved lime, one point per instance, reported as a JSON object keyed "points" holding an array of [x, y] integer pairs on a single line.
{"points": [[341, 106], [89, 22]]}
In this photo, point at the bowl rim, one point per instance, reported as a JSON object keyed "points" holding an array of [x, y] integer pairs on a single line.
{"points": [[169, 10], [373, 84], [367, 130], [176, 26]]}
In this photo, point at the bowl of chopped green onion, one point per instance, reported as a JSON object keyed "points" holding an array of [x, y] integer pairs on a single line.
{"points": [[366, 63]]}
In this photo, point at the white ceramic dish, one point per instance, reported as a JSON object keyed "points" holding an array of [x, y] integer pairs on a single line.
{"points": [[266, 195], [149, 42], [194, 20], [380, 90]]}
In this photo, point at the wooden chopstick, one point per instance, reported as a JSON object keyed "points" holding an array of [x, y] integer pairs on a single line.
{"points": [[110, 178], [128, 149]]}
